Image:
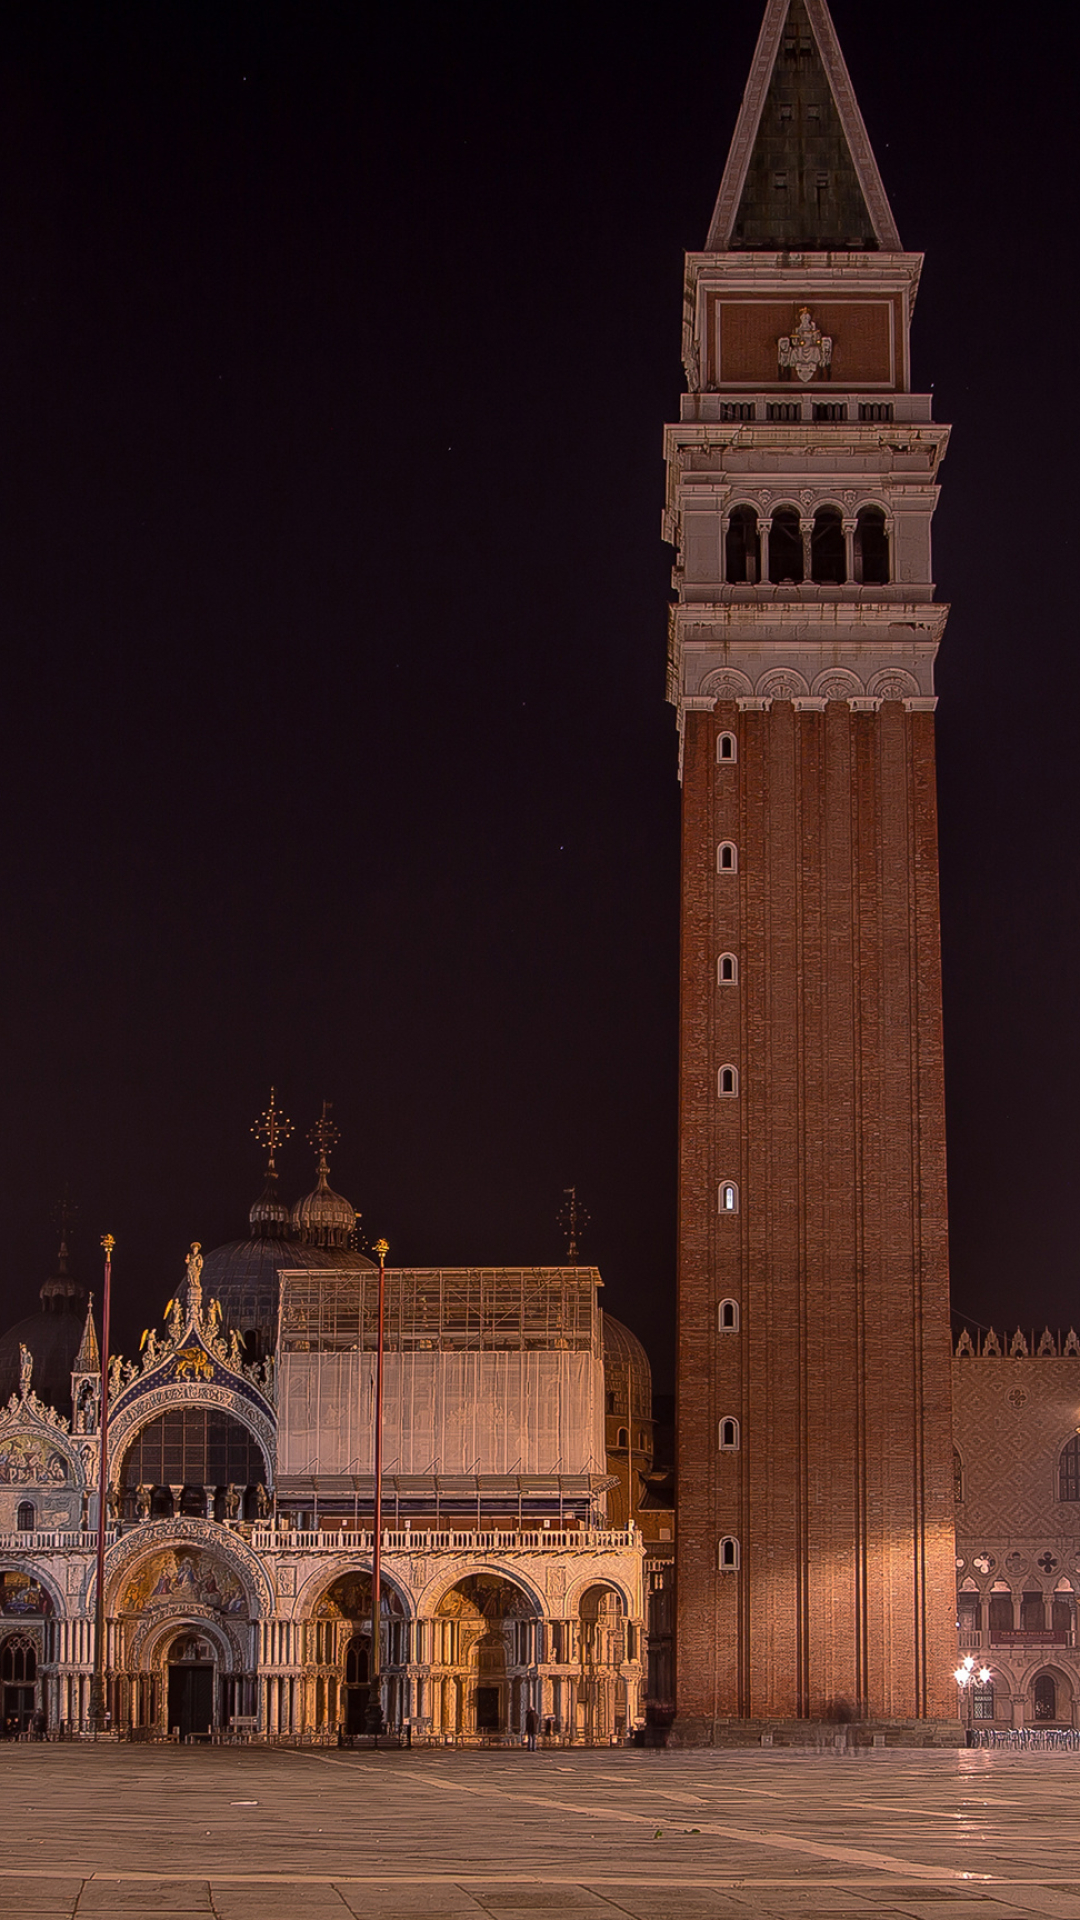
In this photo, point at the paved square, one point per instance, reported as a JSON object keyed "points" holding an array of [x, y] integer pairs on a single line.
{"points": [[268, 1834]]}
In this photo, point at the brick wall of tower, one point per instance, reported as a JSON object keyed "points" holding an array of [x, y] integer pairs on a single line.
{"points": [[840, 1494]]}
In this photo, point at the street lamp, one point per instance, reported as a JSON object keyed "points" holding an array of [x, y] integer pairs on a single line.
{"points": [[968, 1676]]}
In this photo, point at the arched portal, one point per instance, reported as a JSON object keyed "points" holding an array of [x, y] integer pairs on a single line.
{"points": [[18, 1677], [603, 1707], [341, 1645], [485, 1659], [182, 1614], [1051, 1699], [192, 1705]]}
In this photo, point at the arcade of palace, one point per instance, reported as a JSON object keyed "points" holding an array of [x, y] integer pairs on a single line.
{"points": [[239, 1557]]}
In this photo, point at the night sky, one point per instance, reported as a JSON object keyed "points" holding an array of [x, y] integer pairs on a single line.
{"points": [[336, 344]]}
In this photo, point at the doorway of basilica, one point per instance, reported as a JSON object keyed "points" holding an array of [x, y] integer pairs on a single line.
{"points": [[484, 1669], [18, 1672], [192, 1687]]}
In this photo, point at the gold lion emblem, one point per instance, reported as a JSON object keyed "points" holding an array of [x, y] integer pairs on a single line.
{"points": [[193, 1364]]}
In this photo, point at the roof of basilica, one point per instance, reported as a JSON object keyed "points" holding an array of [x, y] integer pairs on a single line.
{"points": [[625, 1360]]}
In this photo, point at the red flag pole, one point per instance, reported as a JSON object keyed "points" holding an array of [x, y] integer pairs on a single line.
{"points": [[374, 1705], [97, 1684]]}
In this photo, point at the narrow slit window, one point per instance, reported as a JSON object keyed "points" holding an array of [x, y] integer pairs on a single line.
{"points": [[727, 970], [729, 1197], [727, 1558], [727, 1083], [727, 749], [729, 1436], [727, 857], [728, 1316]]}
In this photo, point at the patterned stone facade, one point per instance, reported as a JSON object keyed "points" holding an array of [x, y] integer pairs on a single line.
{"points": [[815, 1525], [1016, 1415]]}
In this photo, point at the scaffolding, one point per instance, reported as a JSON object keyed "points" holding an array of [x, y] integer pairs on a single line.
{"points": [[488, 1371], [442, 1309]]}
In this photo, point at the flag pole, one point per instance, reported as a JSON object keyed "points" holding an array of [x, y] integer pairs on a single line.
{"points": [[374, 1705], [98, 1716]]}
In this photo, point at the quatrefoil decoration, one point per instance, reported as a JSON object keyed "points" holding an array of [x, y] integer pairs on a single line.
{"points": [[1047, 1562]]}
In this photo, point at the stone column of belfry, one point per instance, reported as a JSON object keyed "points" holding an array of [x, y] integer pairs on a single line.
{"points": [[816, 1550]]}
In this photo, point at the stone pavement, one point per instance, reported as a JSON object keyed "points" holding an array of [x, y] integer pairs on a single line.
{"points": [[257, 1834]]}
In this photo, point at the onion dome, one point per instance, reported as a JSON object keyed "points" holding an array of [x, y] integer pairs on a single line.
{"points": [[52, 1337], [324, 1218], [243, 1274], [627, 1373]]}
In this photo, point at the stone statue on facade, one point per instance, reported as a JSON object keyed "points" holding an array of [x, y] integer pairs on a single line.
{"points": [[26, 1369]]}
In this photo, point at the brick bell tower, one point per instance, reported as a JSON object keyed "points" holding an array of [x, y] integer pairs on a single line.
{"points": [[816, 1556]]}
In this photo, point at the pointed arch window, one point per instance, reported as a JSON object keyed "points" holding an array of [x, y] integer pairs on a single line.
{"points": [[785, 549], [729, 1435], [727, 970], [727, 1558], [727, 857], [727, 1083], [743, 548], [1069, 1470], [729, 1197], [727, 1316]]}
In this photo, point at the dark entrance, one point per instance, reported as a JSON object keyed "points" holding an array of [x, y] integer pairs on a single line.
{"points": [[18, 1671], [357, 1687], [487, 1710], [191, 1696]]}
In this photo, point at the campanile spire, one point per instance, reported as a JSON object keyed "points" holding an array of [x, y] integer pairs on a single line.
{"points": [[816, 1575]]}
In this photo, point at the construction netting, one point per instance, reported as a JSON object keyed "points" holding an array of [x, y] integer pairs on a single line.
{"points": [[486, 1371]]}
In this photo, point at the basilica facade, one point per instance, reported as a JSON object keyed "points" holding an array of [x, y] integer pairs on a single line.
{"points": [[238, 1569]]}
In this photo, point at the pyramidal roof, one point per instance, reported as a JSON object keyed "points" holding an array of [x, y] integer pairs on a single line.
{"points": [[801, 174]]}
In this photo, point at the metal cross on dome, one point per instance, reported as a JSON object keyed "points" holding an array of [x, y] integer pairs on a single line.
{"points": [[324, 1136], [272, 1129]]}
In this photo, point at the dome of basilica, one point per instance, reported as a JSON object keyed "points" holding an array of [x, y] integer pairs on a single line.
{"points": [[627, 1373], [52, 1337], [243, 1274]]}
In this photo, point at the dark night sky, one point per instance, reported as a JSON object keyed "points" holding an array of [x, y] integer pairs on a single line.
{"points": [[335, 348]]}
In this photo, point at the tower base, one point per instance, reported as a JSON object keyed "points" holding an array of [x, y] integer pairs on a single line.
{"points": [[701, 1730]]}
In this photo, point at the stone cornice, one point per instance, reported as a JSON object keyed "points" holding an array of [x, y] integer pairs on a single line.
{"points": [[738, 626]]}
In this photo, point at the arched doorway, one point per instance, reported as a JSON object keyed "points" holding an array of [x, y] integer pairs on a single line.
{"points": [[23, 1600], [18, 1677], [602, 1706], [182, 1613], [1051, 1699], [484, 1665], [342, 1648], [192, 1686]]}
